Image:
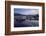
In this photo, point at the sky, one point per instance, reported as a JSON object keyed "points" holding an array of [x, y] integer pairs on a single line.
{"points": [[26, 11]]}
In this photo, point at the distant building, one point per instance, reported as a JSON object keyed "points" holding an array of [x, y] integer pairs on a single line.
{"points": [[20, 18], [28, 17]]}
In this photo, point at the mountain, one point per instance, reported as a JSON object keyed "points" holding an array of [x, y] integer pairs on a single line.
{"points": [[15, 14]]}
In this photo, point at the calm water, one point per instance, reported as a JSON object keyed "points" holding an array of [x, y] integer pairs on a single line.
{"points": [[26, 23]]}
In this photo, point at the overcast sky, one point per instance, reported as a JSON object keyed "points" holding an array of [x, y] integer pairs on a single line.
{"points": [[26, 11]]}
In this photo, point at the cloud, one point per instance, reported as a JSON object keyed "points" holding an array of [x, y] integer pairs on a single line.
{"points": [[26, 11]]}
